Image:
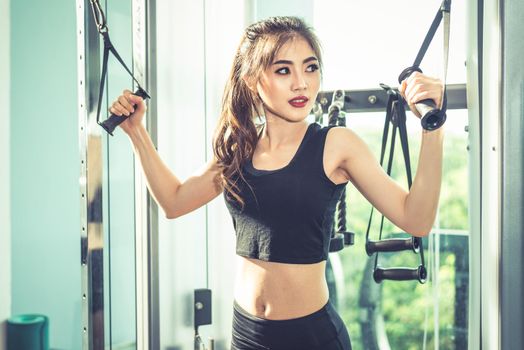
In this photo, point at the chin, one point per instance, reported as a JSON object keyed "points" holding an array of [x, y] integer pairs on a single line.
{"points": [[292, 116]]}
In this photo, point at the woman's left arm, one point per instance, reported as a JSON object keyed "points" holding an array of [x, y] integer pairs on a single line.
{"points": [[412, 211]]}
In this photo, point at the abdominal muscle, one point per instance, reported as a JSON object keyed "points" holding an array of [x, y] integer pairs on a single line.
{"points": [[278, 291]]}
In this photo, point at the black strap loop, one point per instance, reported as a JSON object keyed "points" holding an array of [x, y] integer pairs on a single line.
{"points": [[113, 120], [433, 117]]}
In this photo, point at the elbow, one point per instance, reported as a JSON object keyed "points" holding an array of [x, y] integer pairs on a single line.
{"points": [[171, 213], [420, 233], [419, 230], [170, 216]]}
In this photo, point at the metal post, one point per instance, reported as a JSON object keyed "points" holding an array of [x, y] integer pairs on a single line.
{"points": [[146, 211], [90, 142], [491, 169]]}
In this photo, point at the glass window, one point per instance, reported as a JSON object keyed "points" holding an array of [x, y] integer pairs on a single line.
{"points": [[406, 315], [364, 46]]}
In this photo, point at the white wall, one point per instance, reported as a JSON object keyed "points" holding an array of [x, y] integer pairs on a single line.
{"points": [[5, 228]]}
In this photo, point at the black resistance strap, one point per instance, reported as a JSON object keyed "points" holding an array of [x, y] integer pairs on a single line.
{"points": [[396, 115], [113, 121], [433, 117]]}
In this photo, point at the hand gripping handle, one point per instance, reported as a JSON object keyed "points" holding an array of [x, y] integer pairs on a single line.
{"points": [[114, 120], [432, 117]]}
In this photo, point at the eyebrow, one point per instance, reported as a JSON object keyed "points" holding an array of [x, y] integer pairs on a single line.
{"points": [[309, 59]]}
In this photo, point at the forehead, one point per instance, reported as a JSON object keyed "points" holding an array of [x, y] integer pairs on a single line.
{"points": [[296, 47]]}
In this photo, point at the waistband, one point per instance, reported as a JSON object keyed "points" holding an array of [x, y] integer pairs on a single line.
{"points": [[327, 308], [306, 332]]}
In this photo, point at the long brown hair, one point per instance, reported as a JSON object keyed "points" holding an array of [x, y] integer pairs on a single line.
{"points": [[236, 135]]}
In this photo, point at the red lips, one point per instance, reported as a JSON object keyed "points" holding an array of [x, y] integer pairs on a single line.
{"points": [[299, 101]]}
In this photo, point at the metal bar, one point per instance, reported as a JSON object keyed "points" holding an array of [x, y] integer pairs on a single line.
{"points": [[491, 186], [141, 236], [474, 78], [90, 142], [146, 211], [153, 225], [375, 100], [512, 261]]}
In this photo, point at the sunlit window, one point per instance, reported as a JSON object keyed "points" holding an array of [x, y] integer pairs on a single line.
{"points": [[367, 43]]}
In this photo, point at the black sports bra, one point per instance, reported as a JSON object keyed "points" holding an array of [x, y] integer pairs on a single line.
{"points": [[289, 212]]}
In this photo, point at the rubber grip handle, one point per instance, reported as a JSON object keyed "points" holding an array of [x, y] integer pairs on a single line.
{"points": [[400, 274], [432, 117], [392, 245], [114, 120]]}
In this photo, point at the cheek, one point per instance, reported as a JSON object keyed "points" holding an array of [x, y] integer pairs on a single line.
{"points": [[314, 83], [263, 91], [268, 89]]}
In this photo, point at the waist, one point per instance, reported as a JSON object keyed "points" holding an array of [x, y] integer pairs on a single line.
{"points": [[279, 291]]}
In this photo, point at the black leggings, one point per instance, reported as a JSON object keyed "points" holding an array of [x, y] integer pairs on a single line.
{"points": [[322, 330]]}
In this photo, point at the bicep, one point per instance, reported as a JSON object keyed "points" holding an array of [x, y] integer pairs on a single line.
{"points": [[366, 174], [197, 190]]}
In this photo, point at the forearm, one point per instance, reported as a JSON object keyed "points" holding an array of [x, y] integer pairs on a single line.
{"points": [[161, 182], [422, 201]]}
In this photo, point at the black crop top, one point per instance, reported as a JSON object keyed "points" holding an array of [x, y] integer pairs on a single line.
{"points": [[288, 215]]}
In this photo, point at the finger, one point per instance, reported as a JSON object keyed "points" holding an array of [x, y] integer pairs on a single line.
{"points": [[113, 111], [127, 93], [414, 76], [135, 99], [423, 95], [132, 97], [125, 102], [402, 88], [413, 89], [119, 110]]}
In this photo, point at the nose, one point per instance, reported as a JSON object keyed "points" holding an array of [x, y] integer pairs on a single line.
{"points": [[299, 82]]}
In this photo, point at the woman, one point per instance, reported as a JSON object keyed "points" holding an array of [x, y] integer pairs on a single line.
{"points": [[281, 181]]}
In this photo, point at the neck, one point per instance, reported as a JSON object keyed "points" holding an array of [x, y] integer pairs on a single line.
{"points": [[280, 132]]}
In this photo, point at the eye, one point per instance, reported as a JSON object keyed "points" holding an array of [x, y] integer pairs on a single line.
{"points": [[283, 70], [312, 68]]}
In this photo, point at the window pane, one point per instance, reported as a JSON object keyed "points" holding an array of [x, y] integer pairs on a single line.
{"points": [[406, 314], [370, 42]]}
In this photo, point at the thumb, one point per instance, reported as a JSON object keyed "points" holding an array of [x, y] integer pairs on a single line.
{"points": [[137, 101], [135, 98]]}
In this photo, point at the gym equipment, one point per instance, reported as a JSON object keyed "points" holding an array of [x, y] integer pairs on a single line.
{"points": [[432, 117], [396, 115], [113, 120], [336, 116]]}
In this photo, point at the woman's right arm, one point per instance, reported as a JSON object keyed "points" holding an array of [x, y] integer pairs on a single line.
{"points": [[175, 197]]}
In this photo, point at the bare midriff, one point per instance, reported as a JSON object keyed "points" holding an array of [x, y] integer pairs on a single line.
{"points": [[279, 291]]}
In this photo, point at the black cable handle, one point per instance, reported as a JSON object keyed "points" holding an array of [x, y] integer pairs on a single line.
{"points": [[113, 120]]}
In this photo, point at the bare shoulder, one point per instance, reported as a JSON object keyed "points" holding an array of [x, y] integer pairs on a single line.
{"points": [[342, 144], [339, 140]]}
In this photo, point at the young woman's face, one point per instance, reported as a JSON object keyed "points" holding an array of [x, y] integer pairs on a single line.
{"points": [[289, 86]]}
